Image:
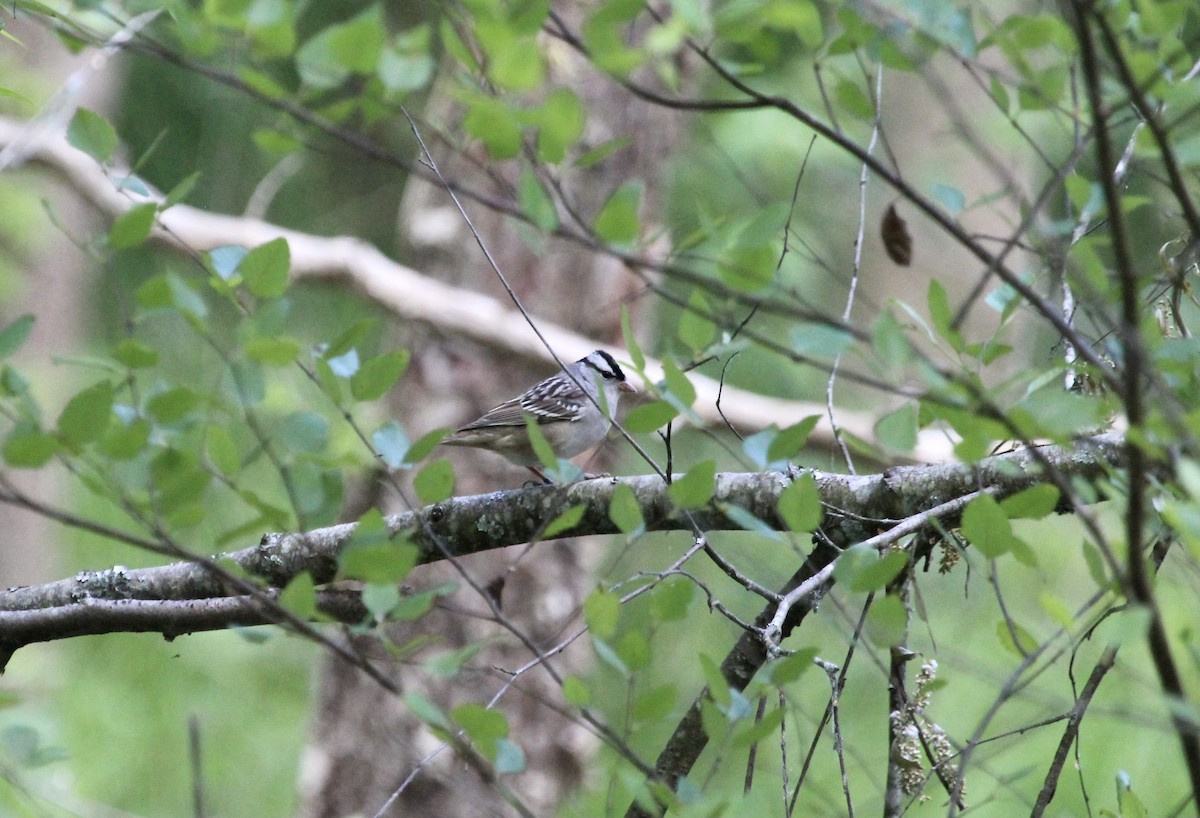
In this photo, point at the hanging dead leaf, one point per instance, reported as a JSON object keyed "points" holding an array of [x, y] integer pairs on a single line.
{"points": [[495, 589], [896, 239]]}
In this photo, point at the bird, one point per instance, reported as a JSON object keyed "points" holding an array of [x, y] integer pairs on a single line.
{"points": [[569, 409]]}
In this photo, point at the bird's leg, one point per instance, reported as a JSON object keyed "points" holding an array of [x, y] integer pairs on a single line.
{"points": [[546, 480]]}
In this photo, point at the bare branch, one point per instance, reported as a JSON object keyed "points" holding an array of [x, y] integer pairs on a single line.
{"points": [[486, 522]]}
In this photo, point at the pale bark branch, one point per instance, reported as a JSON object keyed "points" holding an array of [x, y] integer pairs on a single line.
{"points": [[467, 525]]}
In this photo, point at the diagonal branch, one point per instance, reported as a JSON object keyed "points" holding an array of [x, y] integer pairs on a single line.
{"points": [[411, 295]]}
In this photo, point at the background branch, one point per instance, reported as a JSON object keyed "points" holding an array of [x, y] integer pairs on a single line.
{"points": [[410, 295]]}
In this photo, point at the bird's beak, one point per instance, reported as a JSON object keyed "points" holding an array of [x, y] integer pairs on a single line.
{"points": [[626, 386]]}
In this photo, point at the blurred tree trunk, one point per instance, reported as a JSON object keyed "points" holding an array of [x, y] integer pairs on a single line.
{"points": [[364, 742], [53, 269]]}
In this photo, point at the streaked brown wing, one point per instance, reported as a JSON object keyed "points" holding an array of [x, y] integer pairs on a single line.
{"points": [[548, 405]]}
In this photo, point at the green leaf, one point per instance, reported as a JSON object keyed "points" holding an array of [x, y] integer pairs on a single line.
{"points": [[413, 606], [132, 227], [355, 46], [790, 440], [634, 650], [601, 610], [987, 527], [91, 133], [27, 447], [753, 246], [897, 430], [514, 61], [87, 415], [565, 521], [748, 267], [172, 405], [272, 351], [426, 710], [225, 260], [509, 758], [446, 665], [8, 92], [14, 335], [181, 190], [744, 519], [304, 432], [1128, 804], [890, 343], [623, 510], [800, 505], [535, 202], [124, 442], [820, 340], [1032, 503], [495, 125], [655, 703], [576, 691], [383, 562], [604, 38], [435, 482], [602, 151], [650, 416], [679, 392], [380, 599], [712, 719], [265, 269], [887, 622], [425, 444], [695, 488], [222, 452], [378, 375], [248, 381], [862, 571], [135, 354], [1058, 611], [483, 726], [790, 668], [300, 596], [541, 446], [671, 599], [562, 121], [391, 444], [404, 71], [941, 315], [718, 687], [617, 221], [168, 291], [695, 328], [756, 446], [951, 198], [754, 732], [12, 382], [23, 745], [635, 351], [1015, 639], [372, 555], [854, 100]]}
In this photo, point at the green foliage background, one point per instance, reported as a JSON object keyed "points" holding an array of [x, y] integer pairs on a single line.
{"points": [[118, 706]]}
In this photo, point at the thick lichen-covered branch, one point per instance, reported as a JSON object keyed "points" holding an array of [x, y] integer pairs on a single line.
{"points": [[856, 507]]}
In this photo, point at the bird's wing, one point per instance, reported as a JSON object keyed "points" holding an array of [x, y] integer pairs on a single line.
{"points": [[554, 403]]}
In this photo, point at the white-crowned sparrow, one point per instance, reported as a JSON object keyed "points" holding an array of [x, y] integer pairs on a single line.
{"points": [[564, 406]]}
